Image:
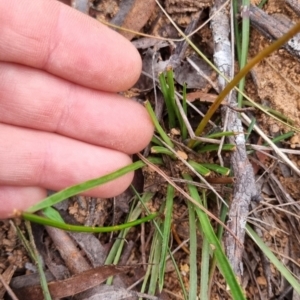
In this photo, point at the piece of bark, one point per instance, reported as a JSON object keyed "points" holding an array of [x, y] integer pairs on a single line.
{"points": [[133, 15], [295, 5], [273, 27], [244, 187], [68, 250], [181, 47]]}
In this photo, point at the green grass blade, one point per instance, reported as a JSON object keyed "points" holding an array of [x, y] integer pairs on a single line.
{"points": [[237, 33], [152, 273], [156, 141], [115, 251], [222, 261], [157, 226], [245, 44], [25, 242], [53, 214], [274, 260], [171, 84], [82, 187], [220, 134], [199, 168], [39, 264], [43, 279], [204, 279], [271, 112], [157, 126], [77, 228], [162, 150], [184, 131], [217, 169], [169, 105], [250, 129], [262, 3], [166, 229], [220, 230], [132, 217], [193, 253], [155, 263], [209, 148], [281, 137], [278, 139], [205, 257]]}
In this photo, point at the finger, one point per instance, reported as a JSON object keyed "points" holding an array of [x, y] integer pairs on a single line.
{"points": [[35, 99], [34, 158], [52, 36], [14, 198]]}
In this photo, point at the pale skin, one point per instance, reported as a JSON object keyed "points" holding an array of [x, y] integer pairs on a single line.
{"points": [[61, 121]]}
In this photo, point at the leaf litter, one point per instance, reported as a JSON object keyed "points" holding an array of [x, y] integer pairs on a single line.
{"points": [[272, 83]]}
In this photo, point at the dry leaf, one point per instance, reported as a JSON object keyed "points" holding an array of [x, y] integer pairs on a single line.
{"points": [[73, 285]]}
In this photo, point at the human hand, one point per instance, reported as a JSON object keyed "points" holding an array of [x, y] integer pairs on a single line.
{"points": [[61, 122]]}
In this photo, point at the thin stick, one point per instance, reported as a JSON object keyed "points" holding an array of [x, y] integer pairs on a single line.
{"points": [[8, 289]]}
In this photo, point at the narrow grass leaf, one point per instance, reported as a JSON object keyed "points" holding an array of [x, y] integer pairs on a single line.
{"points": [[184, 131], [220, 230], [222, 261], [156, 141], [250, 129], [199, 168], [220, 134], [82, 187], [217, 169], [262, 3], [204, 278], [245, 44], [273, 259], [272, 112], [157, 126], [278, 139], [282, 137], [171, 256], [53, 214], [167, 98], [25, 242], [116, 251], [171, 93], [38, 263], [166, 229], [237, 33], [193, 253], [209, 148], [205, 257], [155, 262], [133, 215], [77, 228], [162, 150]]}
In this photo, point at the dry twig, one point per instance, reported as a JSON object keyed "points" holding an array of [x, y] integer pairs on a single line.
{"points": [[244, 189]]}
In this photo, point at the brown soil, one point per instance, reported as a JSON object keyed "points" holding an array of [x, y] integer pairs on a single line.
{"points": [[274, 83]]}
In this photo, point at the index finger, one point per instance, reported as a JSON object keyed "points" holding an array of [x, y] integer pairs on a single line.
{"points": [[51, 36]]}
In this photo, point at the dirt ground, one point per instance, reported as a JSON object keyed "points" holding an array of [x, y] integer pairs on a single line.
{"points": [[274, 83]]}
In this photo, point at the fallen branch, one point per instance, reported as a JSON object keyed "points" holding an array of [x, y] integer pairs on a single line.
{"points": [[244, 187]]}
